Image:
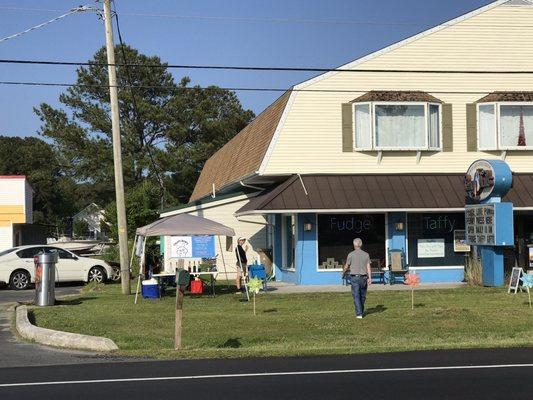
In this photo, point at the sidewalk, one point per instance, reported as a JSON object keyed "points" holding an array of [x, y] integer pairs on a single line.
{"points": [[286, 288]]}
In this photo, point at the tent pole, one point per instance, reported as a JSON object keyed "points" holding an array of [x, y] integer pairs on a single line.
{"points": [[131, 264], [223, 261]]}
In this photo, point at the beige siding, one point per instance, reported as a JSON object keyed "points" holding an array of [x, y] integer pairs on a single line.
{"points": [[310, 141], [255, 232]]}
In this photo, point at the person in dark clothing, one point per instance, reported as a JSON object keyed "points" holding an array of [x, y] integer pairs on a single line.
{"points": [[358, 265], [242, 261]]}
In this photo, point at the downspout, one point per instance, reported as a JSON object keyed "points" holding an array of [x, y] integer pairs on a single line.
{"points": [[250, 186]]}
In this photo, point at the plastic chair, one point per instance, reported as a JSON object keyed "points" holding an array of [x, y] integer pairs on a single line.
{"points": [[258, 271], [398, 265]]}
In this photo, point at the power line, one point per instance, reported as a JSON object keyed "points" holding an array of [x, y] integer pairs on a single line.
{"points": [[42, 25], [211, 18], [235, 89], [259, 68]]}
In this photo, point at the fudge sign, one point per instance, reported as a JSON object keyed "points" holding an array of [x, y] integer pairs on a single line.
{"points": [[487, 178]]}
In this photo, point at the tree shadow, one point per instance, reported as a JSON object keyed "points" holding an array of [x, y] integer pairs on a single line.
{"points": [[375, 310], [231, 343]]}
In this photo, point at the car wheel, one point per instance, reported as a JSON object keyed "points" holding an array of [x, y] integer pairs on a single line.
{"points": [[116, 273], [97, 274], [20, 280]]}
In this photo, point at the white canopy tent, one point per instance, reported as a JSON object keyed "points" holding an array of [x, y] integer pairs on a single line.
{"points": [[177, 225]]}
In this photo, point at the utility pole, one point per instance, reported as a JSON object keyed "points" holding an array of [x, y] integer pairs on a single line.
{"points": [[117, 152]]}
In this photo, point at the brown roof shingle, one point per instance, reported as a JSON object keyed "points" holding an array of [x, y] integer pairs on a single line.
{"points": [[506, 96], [396, 95], [243, 154], [367, 192]]}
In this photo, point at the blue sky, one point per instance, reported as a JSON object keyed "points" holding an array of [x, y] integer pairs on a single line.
{"points": [[353, 29]]}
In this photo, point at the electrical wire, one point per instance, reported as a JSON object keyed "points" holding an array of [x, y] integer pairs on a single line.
{"points": [[235, 89], [72, 11], [260, 68], [208, 18]]}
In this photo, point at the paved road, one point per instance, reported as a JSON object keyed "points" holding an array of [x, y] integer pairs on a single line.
{"points": [[473, 374]]}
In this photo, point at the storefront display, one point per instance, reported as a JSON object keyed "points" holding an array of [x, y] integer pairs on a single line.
{"points": [[432, 237], [336, 233]]}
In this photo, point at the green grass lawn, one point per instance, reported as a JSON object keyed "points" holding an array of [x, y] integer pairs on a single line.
{"points": [[298, 324]]}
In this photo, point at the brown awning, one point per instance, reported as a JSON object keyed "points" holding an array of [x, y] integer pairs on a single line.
{"points": [[396, 95], [395, 192], [507, 96]]}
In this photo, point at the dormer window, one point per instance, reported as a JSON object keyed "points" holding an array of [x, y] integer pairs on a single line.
{"points": [[505, 121], [397, 121]]}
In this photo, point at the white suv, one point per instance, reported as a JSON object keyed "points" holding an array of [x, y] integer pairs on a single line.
{"points": [[17, 266]]}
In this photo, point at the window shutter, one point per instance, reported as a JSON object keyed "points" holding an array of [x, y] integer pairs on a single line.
{"points": [[471, 127], [447, 127], [347, 127]]}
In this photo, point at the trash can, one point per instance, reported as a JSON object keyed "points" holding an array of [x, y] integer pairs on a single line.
{"points": [[45, 279]]}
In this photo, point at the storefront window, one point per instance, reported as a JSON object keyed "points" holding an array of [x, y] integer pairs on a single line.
{"points": [[336, 233], [288, 232], [431, 239]]}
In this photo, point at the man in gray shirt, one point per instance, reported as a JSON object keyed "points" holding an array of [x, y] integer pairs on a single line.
{"points": [[358, 262]]}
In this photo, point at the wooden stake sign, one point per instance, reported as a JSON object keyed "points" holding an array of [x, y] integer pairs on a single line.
{"points": [[182, 281]]}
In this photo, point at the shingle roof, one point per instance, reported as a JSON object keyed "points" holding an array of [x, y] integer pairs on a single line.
{"points": [[507, 96], [243, 154], [396, 95], [367, 192]]}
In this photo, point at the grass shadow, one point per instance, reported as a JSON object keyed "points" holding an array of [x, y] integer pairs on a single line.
{"points": [[231, 343], [74, 302], [420, 305], [271, 310]]}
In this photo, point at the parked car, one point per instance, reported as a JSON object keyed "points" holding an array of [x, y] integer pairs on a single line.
{"points": [[17, 266]]}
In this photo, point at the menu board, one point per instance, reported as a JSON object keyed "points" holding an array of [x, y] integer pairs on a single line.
{"points": [[480, 224]]}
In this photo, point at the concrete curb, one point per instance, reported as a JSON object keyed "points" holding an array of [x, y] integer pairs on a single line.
{"points": [[50, 337]]}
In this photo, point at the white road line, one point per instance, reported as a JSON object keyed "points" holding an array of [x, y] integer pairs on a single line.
{"points": [[264, 374]]}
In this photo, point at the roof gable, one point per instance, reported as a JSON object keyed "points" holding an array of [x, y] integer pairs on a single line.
{"points": [[243, 154]]}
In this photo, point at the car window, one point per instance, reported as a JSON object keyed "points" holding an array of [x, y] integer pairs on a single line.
{"points": [[3, 253], [29, 252], [62, 254]]}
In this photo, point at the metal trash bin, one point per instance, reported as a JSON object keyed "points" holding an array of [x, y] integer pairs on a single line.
{"points": [[45, 278]]}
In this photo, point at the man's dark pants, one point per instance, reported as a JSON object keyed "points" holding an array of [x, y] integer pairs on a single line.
{"points": [[359, 287]]}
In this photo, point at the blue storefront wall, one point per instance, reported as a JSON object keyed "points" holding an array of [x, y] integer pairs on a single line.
{"points": [[306, 271]]}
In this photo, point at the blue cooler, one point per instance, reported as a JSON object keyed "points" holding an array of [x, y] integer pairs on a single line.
{"points": [[150, 289]]}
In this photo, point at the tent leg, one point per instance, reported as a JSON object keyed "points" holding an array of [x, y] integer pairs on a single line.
{"points": [[223, 261], [131, 264]]}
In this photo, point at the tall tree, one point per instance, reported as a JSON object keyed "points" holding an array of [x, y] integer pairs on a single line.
{"points": [[168, 129], [54, 192]]}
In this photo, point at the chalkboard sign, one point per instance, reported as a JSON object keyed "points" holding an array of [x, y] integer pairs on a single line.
{"points": [[514, 281]]}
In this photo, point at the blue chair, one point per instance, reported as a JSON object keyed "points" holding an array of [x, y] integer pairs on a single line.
{"points": [[258, 271]]}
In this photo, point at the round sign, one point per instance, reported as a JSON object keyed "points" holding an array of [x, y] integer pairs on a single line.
{"points": [[487, 178]]}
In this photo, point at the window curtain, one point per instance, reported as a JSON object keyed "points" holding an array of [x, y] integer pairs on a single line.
{"points": [[401, 126], [363, 136], [516, 126], [487, 127]]}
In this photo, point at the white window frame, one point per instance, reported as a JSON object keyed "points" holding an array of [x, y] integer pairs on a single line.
{"points": [[497, 126], [495, 122], [370, 122], [373, 132]]}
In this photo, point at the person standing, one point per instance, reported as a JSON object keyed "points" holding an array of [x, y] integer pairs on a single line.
{"points": [[242, 261], [358, 263]]}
